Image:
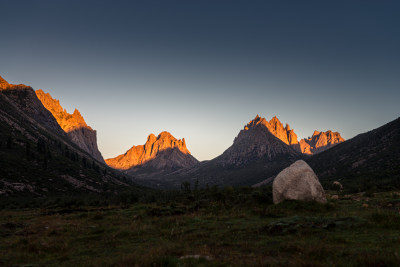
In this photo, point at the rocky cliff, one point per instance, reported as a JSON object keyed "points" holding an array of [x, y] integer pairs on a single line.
{"points": [[320, 141], [73, 124], [25, 99], [38, 159], [285, 134], [159, 152], [261, 139]]}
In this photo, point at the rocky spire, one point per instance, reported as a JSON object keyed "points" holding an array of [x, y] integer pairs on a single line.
{"points": [[73, 124], [320, 141], [285, 134]]}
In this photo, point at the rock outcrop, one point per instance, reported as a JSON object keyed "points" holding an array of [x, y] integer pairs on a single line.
{"points": [[320, 141], [73, 124], [298, 182], [161, 152]]}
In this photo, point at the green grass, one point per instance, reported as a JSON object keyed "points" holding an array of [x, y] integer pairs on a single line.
{"points": [[224, 227]]}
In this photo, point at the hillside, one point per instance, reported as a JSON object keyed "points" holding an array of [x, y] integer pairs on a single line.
{"points": [[38, 159], [369, 161]]}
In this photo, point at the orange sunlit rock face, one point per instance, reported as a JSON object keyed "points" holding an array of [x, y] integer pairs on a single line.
{"points": [[319, 142], [285, 134], [141, 154], [73, 124], [68, 122], [3, 83]]}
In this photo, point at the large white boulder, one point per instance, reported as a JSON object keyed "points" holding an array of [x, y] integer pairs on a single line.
{"points": [[298, 182]]}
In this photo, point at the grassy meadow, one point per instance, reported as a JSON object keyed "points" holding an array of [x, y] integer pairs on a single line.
{"points": [[208, 227]]}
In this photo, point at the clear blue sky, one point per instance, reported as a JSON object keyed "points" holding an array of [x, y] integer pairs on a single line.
{"points": [[203, 69]]}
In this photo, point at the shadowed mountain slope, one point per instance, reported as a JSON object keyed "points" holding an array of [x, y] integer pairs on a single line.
{"points": [[25, 99], [369, 161]]}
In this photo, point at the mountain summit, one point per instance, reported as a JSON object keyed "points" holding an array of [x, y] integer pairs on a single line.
{"points": [[285, 134], [261, 139], [73, 124], [320, 141], [25, 99], [3, 83], [161, 152]]}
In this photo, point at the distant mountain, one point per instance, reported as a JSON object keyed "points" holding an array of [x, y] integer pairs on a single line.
{"points": [[73, 124], [36, 156], [163, 153], [260, 139], [285, 134], [256, 154], [320, 141], [369, 161]]}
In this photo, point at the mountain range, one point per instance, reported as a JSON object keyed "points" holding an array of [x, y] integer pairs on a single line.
{"points": [[260, 149], [59, 153]]}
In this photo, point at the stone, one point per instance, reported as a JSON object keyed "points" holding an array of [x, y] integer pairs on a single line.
{"points": [[298, 182], [337, 184]]}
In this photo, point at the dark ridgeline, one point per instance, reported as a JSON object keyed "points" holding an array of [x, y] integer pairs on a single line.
{"points": [[367, 162]]}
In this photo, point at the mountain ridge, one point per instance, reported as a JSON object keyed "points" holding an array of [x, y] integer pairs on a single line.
{"points": [[73, 124], [149, 152], [38, 159]]}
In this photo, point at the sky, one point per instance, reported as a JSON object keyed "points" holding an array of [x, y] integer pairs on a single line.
{"points": [[203, 69]]}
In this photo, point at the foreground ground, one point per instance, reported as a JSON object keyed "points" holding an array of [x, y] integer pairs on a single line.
{"points": [[232, 228]]}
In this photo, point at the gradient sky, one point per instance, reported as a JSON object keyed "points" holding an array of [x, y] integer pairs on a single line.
{"points": [[203, 69]]}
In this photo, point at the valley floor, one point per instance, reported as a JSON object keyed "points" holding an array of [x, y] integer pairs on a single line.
{"points": [[235, 229]]}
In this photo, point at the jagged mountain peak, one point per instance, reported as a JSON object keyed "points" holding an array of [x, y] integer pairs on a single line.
{"points": [[275, 126], [320, 141], [73, 124], [68, 122], [151, 151]]}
